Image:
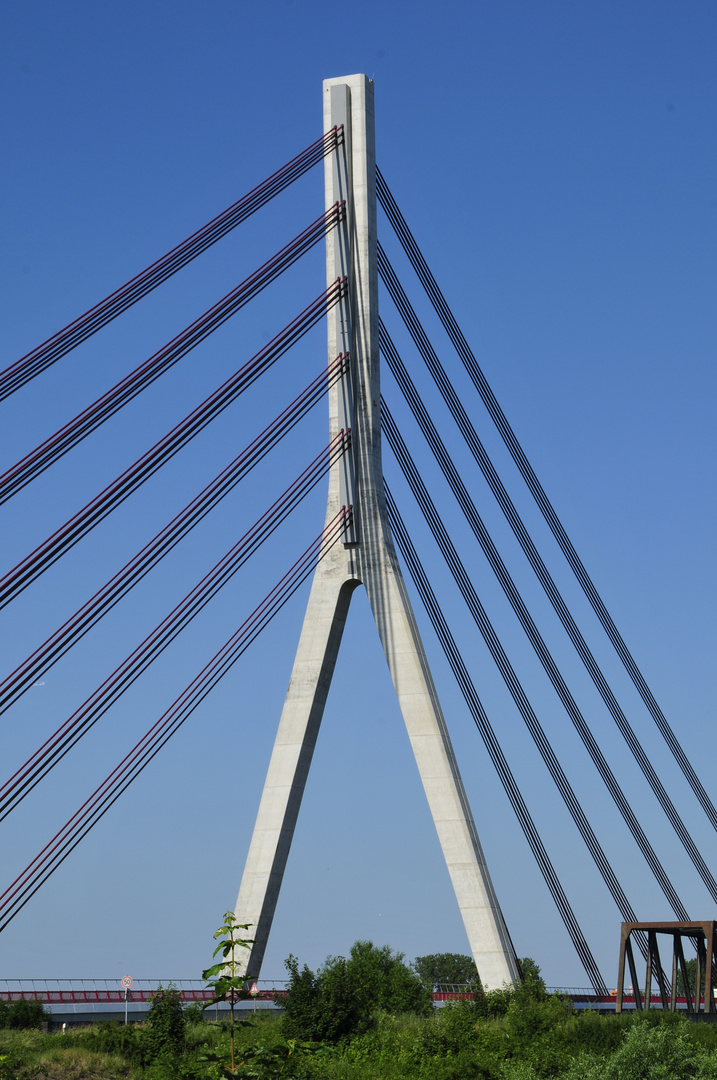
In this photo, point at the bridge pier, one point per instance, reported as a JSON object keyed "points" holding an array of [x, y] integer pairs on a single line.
{"points": [[366, 557]]}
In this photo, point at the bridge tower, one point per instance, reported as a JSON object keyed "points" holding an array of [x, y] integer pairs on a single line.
{"points": [[366, 557]]}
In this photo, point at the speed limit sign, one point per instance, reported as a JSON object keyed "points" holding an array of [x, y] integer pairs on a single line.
{"points": [[127, 982]]}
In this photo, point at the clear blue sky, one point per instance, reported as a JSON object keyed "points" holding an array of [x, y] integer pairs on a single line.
{"points": [[557, 163]]}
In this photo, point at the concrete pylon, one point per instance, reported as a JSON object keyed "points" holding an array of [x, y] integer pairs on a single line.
{"points": [[367, 557]]}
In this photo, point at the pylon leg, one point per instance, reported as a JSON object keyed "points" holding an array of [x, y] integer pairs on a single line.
{"points": [[482, 917], [291, 757]]}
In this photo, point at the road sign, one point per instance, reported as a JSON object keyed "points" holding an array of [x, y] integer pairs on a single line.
{"points": [[127, 982], [254, 990]]}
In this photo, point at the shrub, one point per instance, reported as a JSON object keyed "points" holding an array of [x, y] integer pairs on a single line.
{"points": [[650, 1051], [166, 1024], [194, 1013], [344, 996], [381, 980], [530, 971], [110, 1037], [323, 1007], [23, 1013], [590, 1033], [453, 1030], [447, 969], [528, 1018]]}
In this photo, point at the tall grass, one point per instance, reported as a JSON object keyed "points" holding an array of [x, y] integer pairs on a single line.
{"points": [[533, 1039], [32, 1055]]}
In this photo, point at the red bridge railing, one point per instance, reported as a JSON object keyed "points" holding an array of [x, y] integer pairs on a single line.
{"points": [[111, 992]]}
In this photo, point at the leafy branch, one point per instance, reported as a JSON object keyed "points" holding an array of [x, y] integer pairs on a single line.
{"points": [[222, 978]]}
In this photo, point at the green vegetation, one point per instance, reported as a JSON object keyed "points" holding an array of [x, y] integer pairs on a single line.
{"points": [[531, 972], [165, 1032], [691, 968], [22, 1014], [226, 984], [446, 969], [343, 998], [521, 1035], [364, 1017]]}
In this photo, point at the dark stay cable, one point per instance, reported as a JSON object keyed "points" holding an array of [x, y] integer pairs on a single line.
{"points": [[501, 660], [74, 628], [77, 725], [93, 809], [546, 508], [543, 653], [68, 436], [481, 456], [116, 492], [492, 745], [98, 316]]}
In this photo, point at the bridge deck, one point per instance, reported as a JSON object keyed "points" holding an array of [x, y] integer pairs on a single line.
{"points": [[110, 992]]}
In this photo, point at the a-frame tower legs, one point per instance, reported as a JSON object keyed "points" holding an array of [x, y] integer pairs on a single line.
{"points": [[367, 557]]}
